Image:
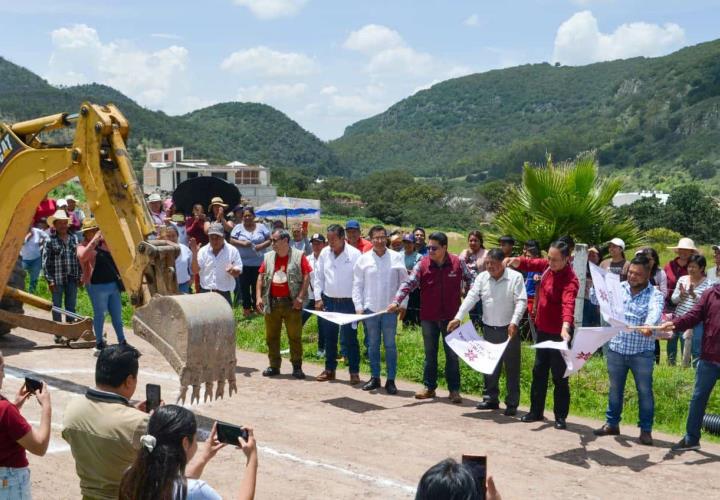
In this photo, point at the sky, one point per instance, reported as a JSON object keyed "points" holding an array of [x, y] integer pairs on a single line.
{"points": [[327, 63]]}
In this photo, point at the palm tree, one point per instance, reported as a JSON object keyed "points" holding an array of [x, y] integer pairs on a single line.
{"points": [[565, 199]]}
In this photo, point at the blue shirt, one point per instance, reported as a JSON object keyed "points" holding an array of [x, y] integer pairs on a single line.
{"points": [[530, 283], [645, 308], [251, 257]]}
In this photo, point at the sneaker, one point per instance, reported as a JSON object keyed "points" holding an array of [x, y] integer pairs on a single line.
{"points": [[455, 397], [425, 394], [684, 445]]}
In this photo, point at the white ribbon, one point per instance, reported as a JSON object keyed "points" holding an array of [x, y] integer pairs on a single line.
{"points": [[148, 442]]}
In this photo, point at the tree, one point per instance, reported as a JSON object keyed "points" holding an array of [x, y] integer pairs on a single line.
{"points": [[648, 212], [693, 213], [565, 199]]}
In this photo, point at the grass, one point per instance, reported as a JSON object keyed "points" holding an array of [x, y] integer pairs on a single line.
{"points": [[672, 385]]}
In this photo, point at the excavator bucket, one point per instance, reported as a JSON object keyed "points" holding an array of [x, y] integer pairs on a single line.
{"points": [[196, 334]]}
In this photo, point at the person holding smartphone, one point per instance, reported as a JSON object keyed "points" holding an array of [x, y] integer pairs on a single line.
{"points": [[17, 437], [171, 461]]}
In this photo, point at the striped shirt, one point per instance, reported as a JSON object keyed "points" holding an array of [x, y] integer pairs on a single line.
{"points": [[644, 308], [684, 304]]}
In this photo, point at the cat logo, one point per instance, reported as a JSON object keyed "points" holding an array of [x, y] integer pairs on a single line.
{"points": [[9, 147]]}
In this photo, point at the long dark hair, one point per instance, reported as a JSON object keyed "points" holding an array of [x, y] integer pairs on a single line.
{"points": [[155, 474], [651, 252]]}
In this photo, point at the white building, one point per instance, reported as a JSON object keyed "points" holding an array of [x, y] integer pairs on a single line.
{"points": [[165, 168], [621, 199]]}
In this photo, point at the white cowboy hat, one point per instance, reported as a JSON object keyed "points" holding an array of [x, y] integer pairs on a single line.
{"points": [[154, 197], [58, 215], [685, 244]]}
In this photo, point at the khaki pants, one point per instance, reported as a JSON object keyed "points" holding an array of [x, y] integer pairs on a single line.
{"points": [[282, 311]]}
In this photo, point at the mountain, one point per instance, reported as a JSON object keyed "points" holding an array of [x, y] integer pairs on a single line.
{"points": [[249, 132], [662, 114]]}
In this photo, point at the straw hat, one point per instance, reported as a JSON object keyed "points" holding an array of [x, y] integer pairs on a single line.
{"points": [[217, 201], [685, 244], [58, 215], [88, 224]]}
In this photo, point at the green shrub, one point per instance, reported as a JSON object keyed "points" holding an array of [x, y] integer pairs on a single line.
{"points": [[662, 235]]}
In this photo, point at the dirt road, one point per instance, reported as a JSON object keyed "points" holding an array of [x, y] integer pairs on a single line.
{"points": [[333, 440]]}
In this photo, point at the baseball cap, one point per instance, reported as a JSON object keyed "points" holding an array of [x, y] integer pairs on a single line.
{"points": [[618, 242], [352, 224], [317, 237], [61, 203], [409, 237], [716, 247], [216, 228], [70, 198]]}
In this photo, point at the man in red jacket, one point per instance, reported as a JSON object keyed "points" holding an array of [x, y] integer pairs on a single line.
{"points": [[707, 371], [440, 276], [554, 313]]}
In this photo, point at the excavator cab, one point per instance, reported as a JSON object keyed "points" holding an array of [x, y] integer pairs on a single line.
{"points": [[195, 333]]}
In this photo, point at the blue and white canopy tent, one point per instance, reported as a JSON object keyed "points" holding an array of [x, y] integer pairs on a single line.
{"points": [[290, 208]]}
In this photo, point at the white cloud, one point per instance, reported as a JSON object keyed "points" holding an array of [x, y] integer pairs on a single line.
{"points": [[472, 21], [271, 93], [263, 62], [329, 90], [580, 41], [272, 9], [356, 104], [154, 79], [373, 38], [166, 36]]}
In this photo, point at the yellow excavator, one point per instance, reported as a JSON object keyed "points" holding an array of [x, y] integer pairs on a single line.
{"points": [[195, 333]]}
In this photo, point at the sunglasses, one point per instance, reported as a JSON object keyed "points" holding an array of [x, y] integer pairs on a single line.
{"points": [[433, 248]]}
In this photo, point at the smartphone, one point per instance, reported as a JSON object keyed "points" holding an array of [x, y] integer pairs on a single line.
{"points": [[152, 396], [33, 385], [228, 433], [477, 465]]}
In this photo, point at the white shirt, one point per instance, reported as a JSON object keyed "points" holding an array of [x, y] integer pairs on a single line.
{"points": [[312, 260], [34, 242], [213, 275], [334, 275], [504, 300], [197, 490], [376, 280], [712, 274], [183, 265]]}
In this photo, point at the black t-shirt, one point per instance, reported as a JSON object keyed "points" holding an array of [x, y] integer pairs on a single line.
{"points": [[105, 270]]}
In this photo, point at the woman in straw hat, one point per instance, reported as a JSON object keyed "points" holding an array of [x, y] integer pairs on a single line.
{"points": [[102, 280], [677, 268], [217, 210]]}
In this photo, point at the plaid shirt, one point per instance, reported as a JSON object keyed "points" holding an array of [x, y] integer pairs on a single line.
{"points": [[59, 260], [645, 308]]}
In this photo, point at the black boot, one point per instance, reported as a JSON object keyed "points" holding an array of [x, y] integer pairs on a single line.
{"points": [[297, 372], [372, 384]]}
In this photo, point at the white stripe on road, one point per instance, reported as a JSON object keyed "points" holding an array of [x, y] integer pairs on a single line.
{"points": [[380, 481]]}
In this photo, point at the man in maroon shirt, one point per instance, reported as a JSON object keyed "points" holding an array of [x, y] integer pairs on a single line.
{"points": [[554, 313], [440, 276], [707, 372]]}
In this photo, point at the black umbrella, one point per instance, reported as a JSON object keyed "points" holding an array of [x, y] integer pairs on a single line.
{"points": [[202, 190]]}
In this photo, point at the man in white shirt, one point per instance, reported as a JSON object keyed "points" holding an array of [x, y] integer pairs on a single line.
{"points": [[712, 273], [333, 293], [377, 277], [217, 263], [502, 291], [183, 262]]}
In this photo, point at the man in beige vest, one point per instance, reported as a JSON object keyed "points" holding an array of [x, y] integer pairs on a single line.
{"points": [[282, 286]]}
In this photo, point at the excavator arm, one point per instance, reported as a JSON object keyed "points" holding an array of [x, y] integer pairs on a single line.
{"points": [[195, 333]]}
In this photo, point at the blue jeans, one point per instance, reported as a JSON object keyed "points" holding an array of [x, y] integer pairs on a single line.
{"points": [[385, 325], [33, 268], [706, 374], [68, 291], [347, 332], [641, 365], [184, 287], [697, 343], [432, 331], [105, 297], [15, 483], [672, 348]]}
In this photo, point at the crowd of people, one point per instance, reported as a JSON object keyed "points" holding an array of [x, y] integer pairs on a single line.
{"points": [[403, 277]]}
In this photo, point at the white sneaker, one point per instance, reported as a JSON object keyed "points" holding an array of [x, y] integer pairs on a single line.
{"points": [[96, 352]]}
